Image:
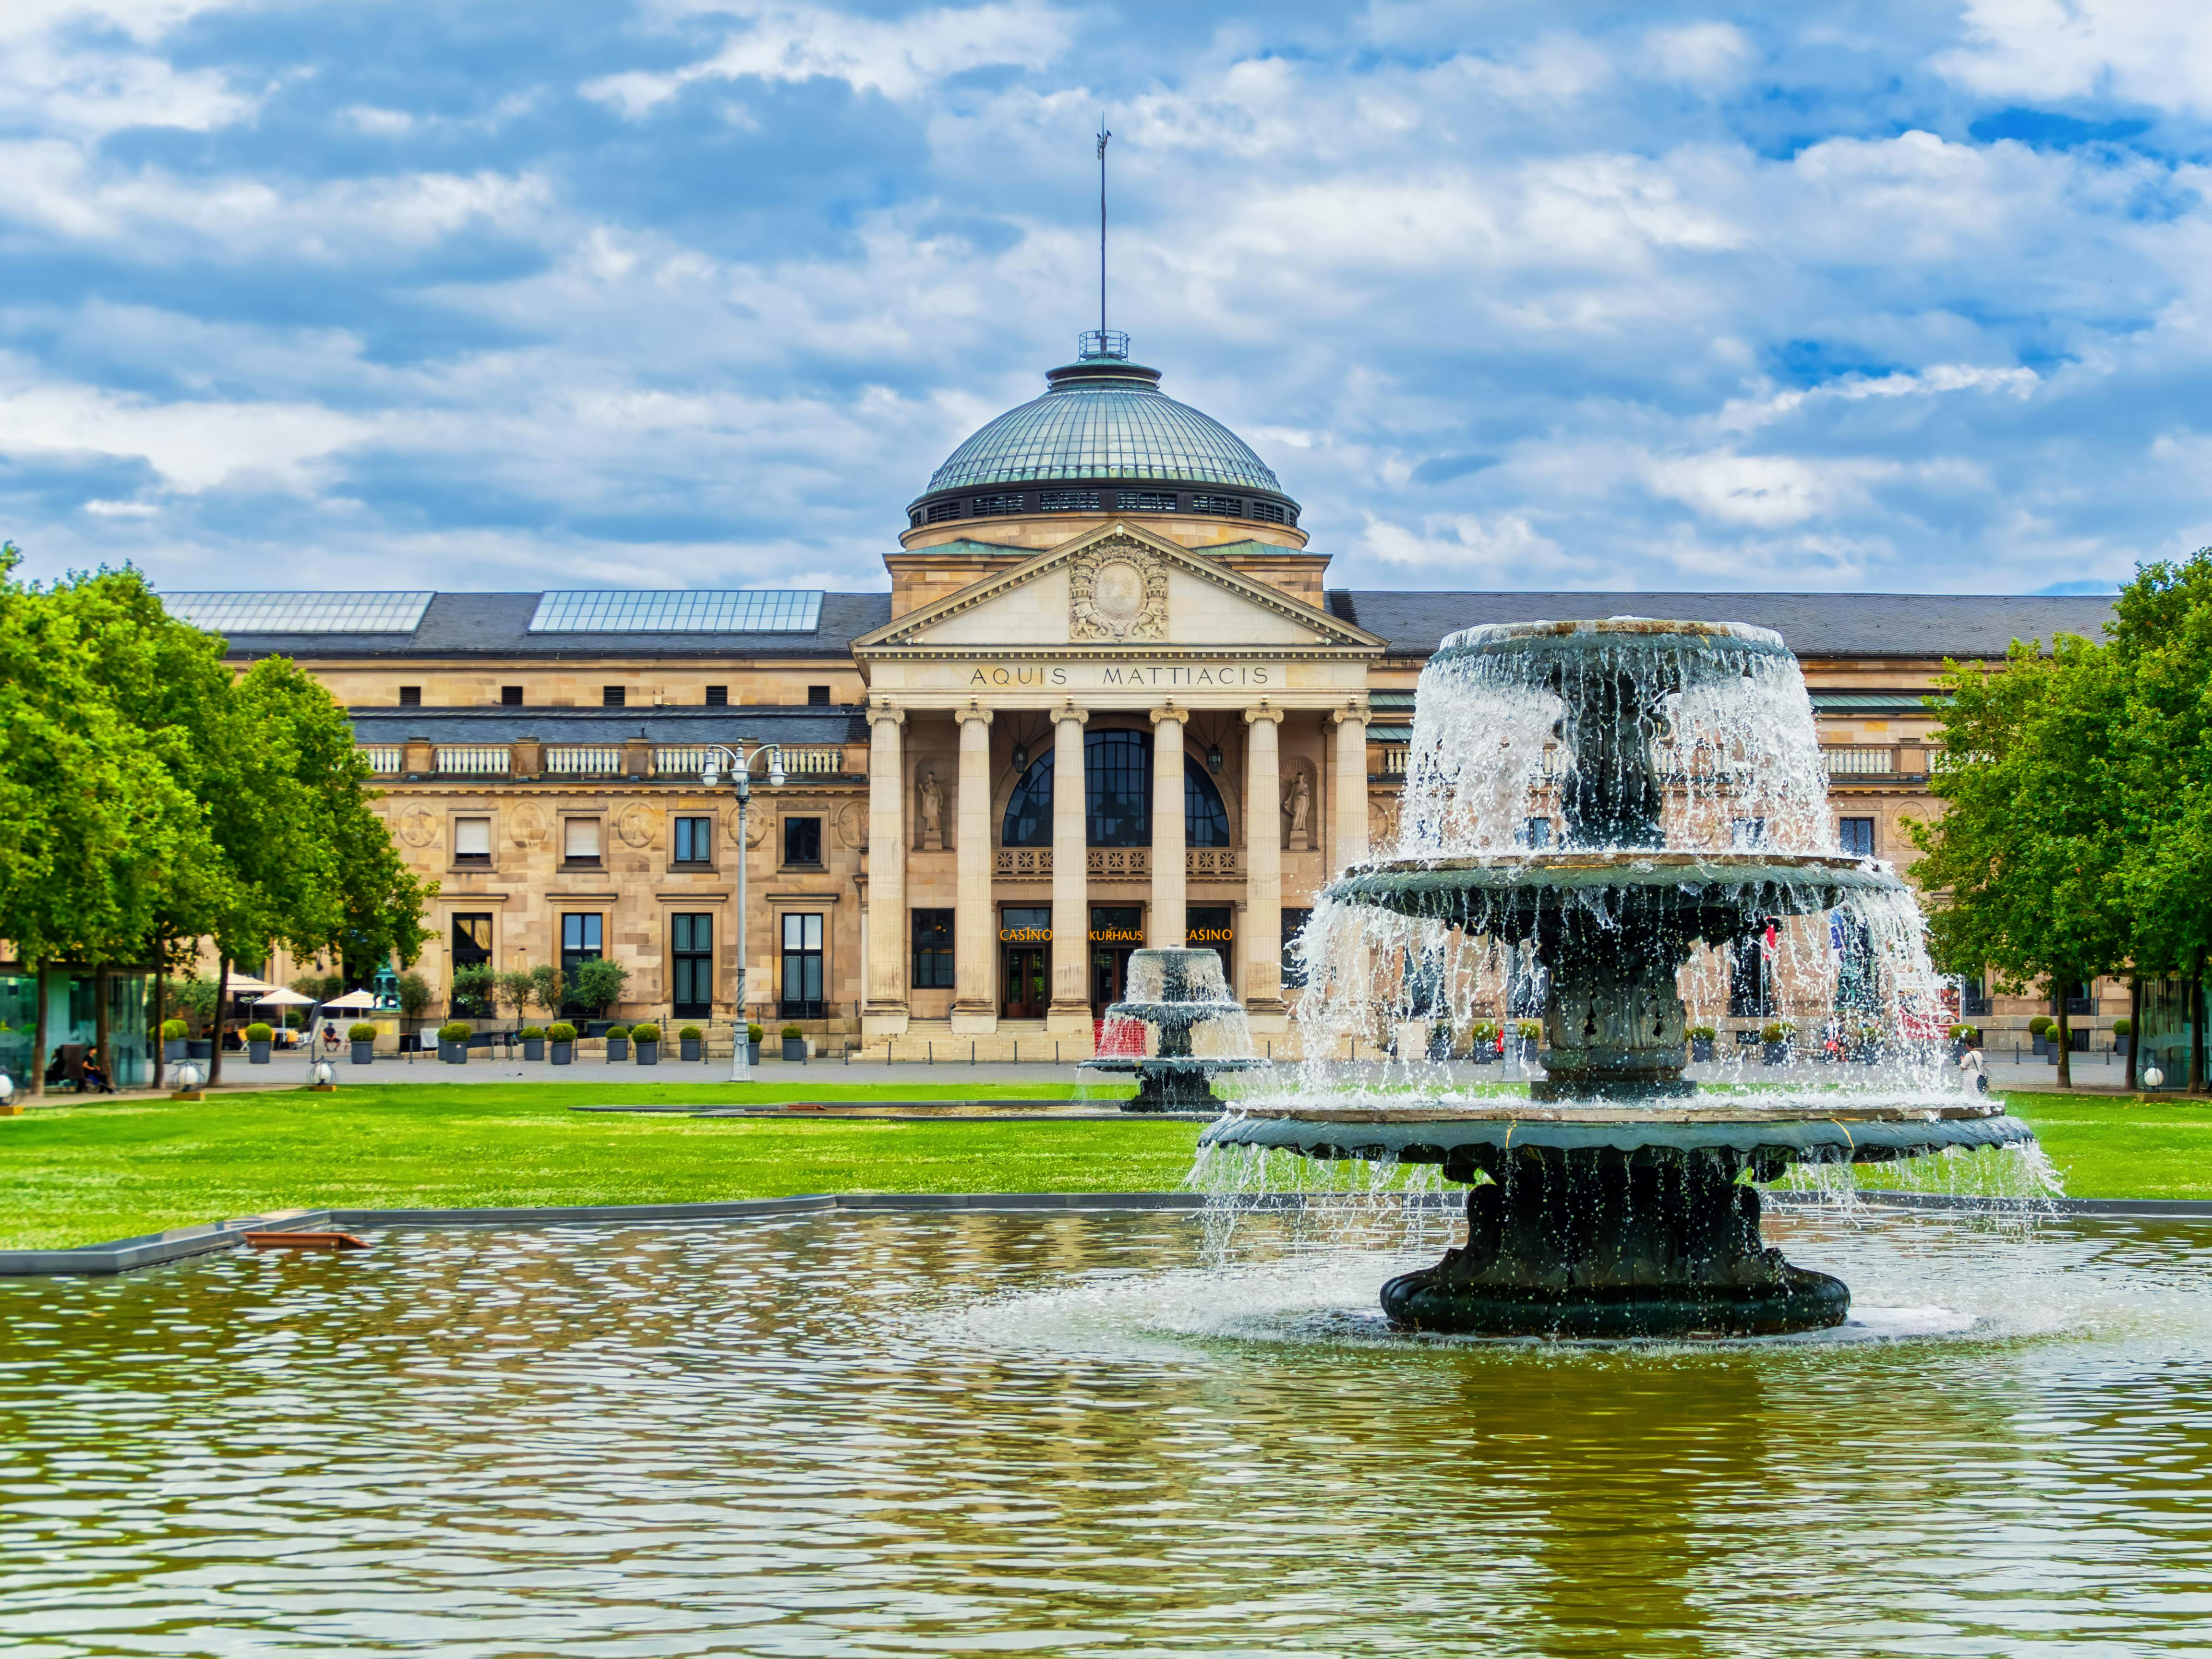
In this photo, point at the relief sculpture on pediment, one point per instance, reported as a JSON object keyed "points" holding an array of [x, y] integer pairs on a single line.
{"points": [[1117, 590]]}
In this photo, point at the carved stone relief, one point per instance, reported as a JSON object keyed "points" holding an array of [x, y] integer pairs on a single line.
{"points": [[528, 825], [418, 826], [1117, 590], [638, 824], [1382, 824], [852, 823]]}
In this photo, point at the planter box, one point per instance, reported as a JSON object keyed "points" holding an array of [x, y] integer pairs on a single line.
{"points": [[1774, 1053], [1701, 1050], [199, 1047], [453, 1053], [752, 1054], [617, 1048], [688, 1047], [364, 1052], [2123, 1045], [533, 1048], [1481, 1054], [648, 1053], [256, 1053], [2051, 1054], [564, 1054], [173, 1048], [2040, 1046], [794, 1048]]}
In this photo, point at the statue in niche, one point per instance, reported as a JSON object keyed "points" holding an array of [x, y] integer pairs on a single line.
{"points": [[1299, 804], [932, 814]]}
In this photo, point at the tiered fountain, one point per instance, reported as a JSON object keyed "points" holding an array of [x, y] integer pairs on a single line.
{"points": [[1681, 760], [1175, 993]]}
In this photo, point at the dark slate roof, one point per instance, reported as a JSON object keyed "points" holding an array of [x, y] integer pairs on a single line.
{"points": [[498, 625], [758, 723], [1832, 625]]}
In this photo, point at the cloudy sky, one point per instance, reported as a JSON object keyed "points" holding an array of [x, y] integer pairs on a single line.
{"points": [[482, 293]]}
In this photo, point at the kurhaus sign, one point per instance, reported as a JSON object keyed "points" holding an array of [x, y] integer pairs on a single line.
{"points": [[1105, 675]]}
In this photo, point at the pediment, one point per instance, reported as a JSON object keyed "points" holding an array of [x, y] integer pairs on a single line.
{"points": [[1118, 587]]}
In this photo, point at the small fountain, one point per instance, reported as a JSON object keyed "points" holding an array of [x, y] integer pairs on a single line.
{"points": [[1175, 993], [1681, 761]]}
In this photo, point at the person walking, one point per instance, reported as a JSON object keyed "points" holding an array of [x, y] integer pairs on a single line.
{"points": [[1973, 1073]]}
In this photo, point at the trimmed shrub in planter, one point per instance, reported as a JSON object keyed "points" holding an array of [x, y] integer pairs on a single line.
{"points": [[1701, 1042], [690, 1036], [617, 1042], [533, 1043], [563, 1036], [1774, 1042], [753, 1036], [647, 1038], [2039, 1029], [794, 1043], [257, 1043], [363, 1038], [173, 1033], [2123, 1035], [1482, 1042], [453, 1042]]}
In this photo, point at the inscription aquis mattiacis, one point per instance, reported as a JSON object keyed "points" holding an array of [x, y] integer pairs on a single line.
{"points": [[1113, 676]]}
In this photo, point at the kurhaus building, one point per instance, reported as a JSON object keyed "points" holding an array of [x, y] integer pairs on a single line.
{"points": [[1109, 700]]}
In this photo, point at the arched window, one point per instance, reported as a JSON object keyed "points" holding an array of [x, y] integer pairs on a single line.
{"points": [[1117, 777], [1205, 819]]}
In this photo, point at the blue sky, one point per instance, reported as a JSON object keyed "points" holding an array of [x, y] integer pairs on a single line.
{"points": [[1907, 297]]}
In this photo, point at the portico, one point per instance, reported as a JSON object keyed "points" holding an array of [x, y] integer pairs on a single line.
{"points": [[1147, 747]]}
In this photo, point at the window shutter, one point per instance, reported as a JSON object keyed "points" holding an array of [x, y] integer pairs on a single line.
{"points": [[472, 837], [583, 838]]}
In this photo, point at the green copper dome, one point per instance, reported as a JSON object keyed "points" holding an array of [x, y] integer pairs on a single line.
{"points": [[1104, 418]]}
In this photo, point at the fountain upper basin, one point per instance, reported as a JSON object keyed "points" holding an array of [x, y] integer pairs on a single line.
{"points": [[1769, 884]]}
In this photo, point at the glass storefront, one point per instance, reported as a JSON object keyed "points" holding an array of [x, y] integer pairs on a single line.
{"points": [[73, 1022], [2164, 1034]]}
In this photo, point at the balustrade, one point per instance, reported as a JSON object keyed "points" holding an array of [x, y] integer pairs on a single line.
{"points": [[582, 760], [473, 760], [384, 759]]}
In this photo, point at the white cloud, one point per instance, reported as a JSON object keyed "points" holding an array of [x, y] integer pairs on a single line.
{"points": [[194, 445], [1465, 547], [2155, 52], [1708, 55], [1764, 491], [901, 58]]}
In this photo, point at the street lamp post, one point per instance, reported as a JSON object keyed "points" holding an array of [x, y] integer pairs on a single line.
{"points": [[740, 761]]}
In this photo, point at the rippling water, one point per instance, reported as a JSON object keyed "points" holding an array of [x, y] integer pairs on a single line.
{"points": [[871, 1434]]}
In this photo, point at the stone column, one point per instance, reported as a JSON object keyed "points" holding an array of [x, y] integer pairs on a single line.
{"points": [[884, 1014], [1168, 931], [974, 1012], [1351, 785], [1071, 879], [1263, 862]]}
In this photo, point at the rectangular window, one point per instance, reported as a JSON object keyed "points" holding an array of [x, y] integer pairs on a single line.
{"points": [[691, 842], [1267, 512], [580, 841], [987, 506], [1069, 501], [802, 841], [472, 841], [1857, 835], [1974, 997], [1744, 834], [1294, 923], [510, 696], [472, 940], [1533, 832], [1750, 993], [818, 696], [932, 949], [718, 697], [940, 511], [581, 937], [1146, 501], [691, 947], [1231, 505], [612, 697], [410, 696], [802, 966]]}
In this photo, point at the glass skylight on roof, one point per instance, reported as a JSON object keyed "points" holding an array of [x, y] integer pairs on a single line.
{"points": [[300, 613], [725, 610]]}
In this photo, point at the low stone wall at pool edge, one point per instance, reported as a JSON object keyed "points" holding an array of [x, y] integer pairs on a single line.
{"points": [[152, 1249]]}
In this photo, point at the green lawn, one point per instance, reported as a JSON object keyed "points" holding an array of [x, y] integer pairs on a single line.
{"points": [[80, 1174]]}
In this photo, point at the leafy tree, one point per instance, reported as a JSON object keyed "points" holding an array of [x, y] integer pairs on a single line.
{"points": [[473, 991], [2031, 851], [597, 985], [545, 987], [415, 995], [518, 989], [321, 986]]}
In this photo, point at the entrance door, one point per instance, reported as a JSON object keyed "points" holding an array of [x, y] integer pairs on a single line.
{"points": [[1213, 927], [1115, 931], [1024, 951]]}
